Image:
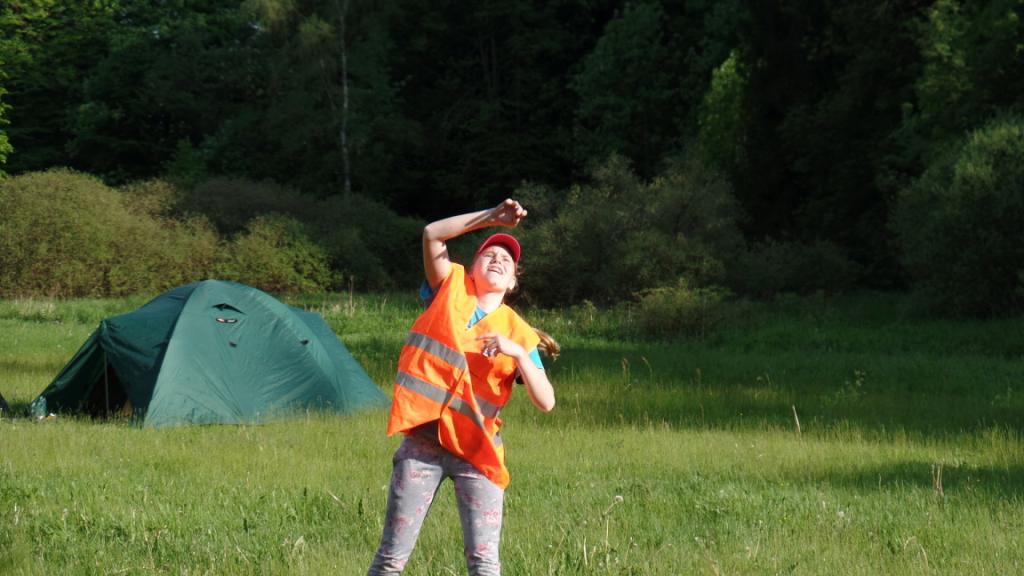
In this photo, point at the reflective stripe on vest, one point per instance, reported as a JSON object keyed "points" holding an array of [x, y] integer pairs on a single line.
{"points": [[431, 392], [431, 346], [424, 388]]}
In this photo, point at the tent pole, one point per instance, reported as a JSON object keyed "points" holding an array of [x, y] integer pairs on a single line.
{"points": [[106, 385]]}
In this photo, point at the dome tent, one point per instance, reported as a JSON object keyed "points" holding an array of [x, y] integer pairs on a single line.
{"points": [[210, 352]]}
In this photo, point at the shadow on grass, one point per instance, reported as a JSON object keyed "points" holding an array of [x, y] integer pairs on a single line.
{"points": [[697, 387], [943, 478], [18, 410], [728, 408]]}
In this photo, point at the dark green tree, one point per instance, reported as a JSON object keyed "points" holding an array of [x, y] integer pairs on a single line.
{"points": [[47, 45], [959, 224], [173, 73], [487, 84], [723, 123], [5, 144], [971, 71], [628, 92], [827, 84]]}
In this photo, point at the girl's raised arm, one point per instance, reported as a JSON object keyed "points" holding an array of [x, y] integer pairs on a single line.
{"points": [[436, 263]]}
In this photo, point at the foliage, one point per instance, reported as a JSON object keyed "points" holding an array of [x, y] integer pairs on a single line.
{"points": [[970, 72], [722, 123], [365, 242], [67, 234], [153, 198], [445, 101], [136, 109], [186, 166], [680, 311], [621, 235], [624, 86], [297, 102], [486, 87], [49, 47], [959, 224], [5, 144], [944, 87], [826, 87], [817, 114], [275, 254], [773, 267], [161, 254], [971, 68]]}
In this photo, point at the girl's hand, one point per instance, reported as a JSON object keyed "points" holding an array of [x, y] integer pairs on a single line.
{"points": [[494, 344], [508, 213]]}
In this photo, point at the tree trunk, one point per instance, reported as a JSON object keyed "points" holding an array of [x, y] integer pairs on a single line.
{"points": [[343, 11]]}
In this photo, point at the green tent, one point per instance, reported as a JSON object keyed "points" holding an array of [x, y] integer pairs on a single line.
{"points": [[210, 352]]}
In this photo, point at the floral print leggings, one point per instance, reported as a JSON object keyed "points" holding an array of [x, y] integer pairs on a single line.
{"points": [[421, 465]]}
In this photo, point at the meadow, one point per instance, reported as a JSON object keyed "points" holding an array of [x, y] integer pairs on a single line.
{"points": [[809, 436]]}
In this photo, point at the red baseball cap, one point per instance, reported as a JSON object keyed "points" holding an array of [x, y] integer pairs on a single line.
{"points": [[506, 241]]}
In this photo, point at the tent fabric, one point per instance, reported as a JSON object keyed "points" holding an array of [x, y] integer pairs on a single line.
{"points": [[211, 352]]}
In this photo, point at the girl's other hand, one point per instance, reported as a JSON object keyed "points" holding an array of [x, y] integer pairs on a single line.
{"points": [[508, 213], [494, 344]]}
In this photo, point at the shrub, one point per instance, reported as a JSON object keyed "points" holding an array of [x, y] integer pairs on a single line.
{"points": [[770, 268], [49, 240], [161, 254], [680, 310], [167, 252], [620, 235], [276, 255], [231, 203], [364, 240], [368, 242], [153, 198], [67, 234], [959, 224]]}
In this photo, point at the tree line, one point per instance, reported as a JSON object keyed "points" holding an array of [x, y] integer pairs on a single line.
{"points": [[839, 144]]}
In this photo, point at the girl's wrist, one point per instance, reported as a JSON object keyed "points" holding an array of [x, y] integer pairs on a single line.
{"points": [[493, 217]]}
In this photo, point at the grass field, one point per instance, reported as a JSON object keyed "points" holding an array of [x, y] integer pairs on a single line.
{"points": [[660, 458]]}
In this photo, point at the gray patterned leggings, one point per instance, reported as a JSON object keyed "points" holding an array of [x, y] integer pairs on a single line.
{"points": [[421, 465]]}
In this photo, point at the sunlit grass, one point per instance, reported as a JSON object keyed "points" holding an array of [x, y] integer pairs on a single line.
{"points": [[660, 458]]}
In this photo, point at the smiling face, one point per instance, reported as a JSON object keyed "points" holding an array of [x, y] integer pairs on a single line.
{"points": [[494, 270]]}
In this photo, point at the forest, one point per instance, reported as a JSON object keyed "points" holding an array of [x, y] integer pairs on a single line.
{"points": [[669, 147]]}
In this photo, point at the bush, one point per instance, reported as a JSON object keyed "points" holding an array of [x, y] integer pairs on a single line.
{"points": [[619, 235], [770, 268], [365, 241], [275, 254], [680, 310], [162, 254], [153, 198], [959, 224], [368, 242], [66, 234], [165, 252]]}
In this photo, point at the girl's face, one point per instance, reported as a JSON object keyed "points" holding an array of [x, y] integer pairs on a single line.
{"points": [[494, 270]]}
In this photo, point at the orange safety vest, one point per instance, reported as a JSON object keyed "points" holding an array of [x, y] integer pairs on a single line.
{"points": [[443, 376]]}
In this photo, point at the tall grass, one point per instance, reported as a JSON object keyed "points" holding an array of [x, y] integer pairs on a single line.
{"points": [[660, 458]]}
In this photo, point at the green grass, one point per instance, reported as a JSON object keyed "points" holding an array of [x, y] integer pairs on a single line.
{"points": [[660, 458]]}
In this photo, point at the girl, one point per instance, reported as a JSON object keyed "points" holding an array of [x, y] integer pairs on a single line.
{"points": [[455, 373]]}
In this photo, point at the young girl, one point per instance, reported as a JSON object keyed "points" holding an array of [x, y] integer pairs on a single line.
{"points": [[455, 373]]}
